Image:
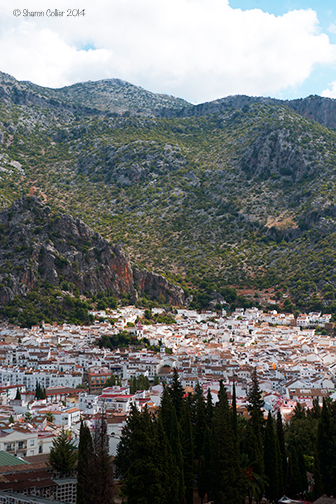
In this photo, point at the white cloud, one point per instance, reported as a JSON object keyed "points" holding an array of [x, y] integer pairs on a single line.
{"points": [[331, 91], [332, 28], [196, 49]]}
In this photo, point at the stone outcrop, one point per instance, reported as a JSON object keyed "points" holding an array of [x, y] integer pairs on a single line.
{"points": [[39, 246], [156, 286]]}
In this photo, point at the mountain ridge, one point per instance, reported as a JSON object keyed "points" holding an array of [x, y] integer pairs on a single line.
{"points": [[313, 107], [237, 192]]}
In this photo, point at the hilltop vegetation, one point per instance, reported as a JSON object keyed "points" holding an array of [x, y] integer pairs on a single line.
{"points": [[243, 196]]}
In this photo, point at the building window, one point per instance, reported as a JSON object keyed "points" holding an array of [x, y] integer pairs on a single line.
{"points": [[20, 445], [32, 442]]}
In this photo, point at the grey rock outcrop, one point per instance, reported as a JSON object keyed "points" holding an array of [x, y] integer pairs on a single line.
{"points": [[37, 245]]}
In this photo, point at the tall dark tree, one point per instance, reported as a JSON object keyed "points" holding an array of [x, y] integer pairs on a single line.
{"points": [[226, 482], [255, 445], [234, 412], [172, 429], [188, 453], [85, 467], [209, 407], [271, 461], [255, 402], [316, 410], [200, 421], [206, 454], [302, 470], [125, 447], [281, 484], [166, 411], [176, 393], [293, 474], [282, 447], [39, 392], [136, 460], [63, 455], [103, 464], [166, 462], [252, 451], [318, 485], [178, 455], [18, 395], [326, 449], [202, 479]]}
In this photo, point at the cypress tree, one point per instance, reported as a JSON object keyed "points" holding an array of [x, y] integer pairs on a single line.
{"points": [[316, 410], [226, 484], [318, 485], [271, 461], [172, 429], [280, 469], [102, 463], [38, 391], [135, 460], [125, 447], [293, 473], [202, 479], [325, 448], [188, 454], [234, 412], [206, 453], [132, 385], [255, 402], [165, 461], [282, 447], [255, 405], [166, 411], [200, 421], [209, 407], [254, 463], [178, 455], [302, 470], [176, 393], [85, 467]]}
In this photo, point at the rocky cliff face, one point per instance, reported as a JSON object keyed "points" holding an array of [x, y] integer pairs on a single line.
{"points": [[38, 246], [158, 287], [314, 108]]}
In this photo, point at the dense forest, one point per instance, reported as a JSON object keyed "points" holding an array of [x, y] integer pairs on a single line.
{"points": [[193, 444]]}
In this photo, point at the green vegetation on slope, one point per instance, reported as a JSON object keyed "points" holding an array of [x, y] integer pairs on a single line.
{"points": [[244, 197]]}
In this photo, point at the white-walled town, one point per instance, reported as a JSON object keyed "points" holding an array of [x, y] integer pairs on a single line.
{"points": [[294, 361]]}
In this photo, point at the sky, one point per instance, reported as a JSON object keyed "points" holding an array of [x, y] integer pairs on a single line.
{"points": [[199, 50]]}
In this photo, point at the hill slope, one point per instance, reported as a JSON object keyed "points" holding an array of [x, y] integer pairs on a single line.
{"points": [[58, 255], [235, 192]]}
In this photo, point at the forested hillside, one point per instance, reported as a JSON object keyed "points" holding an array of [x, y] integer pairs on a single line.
{"points": [[239, 192]]}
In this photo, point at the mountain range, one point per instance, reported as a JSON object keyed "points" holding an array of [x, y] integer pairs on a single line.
{"points": [[238, 192]]}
